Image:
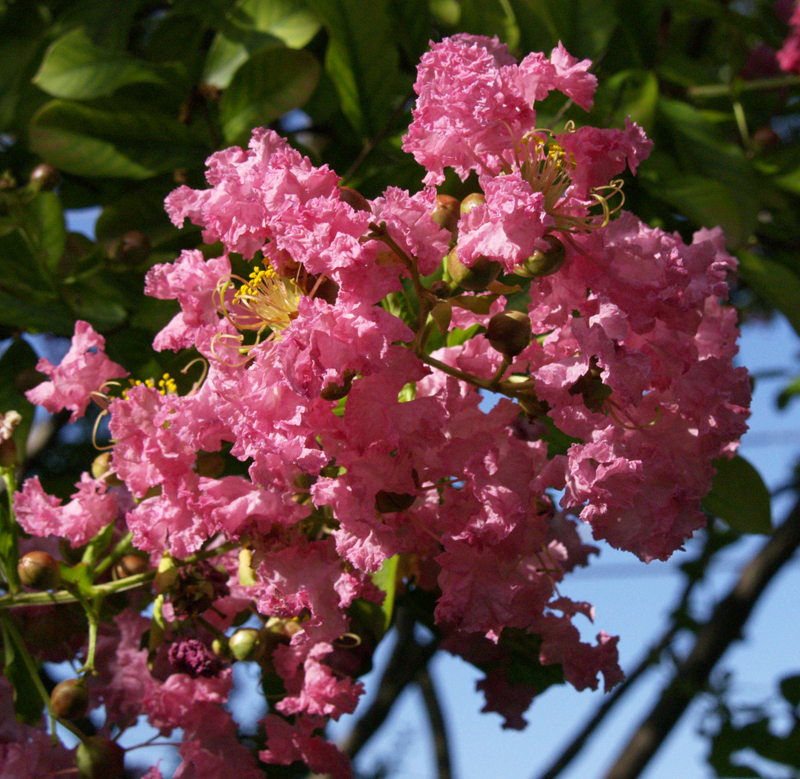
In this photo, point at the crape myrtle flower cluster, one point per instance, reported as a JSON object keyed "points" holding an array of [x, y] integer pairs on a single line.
{"points": [[346, 374]]}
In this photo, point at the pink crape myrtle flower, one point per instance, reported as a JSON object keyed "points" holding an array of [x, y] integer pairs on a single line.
{"points": [[84, 370], [92, 508], [789, 54]]}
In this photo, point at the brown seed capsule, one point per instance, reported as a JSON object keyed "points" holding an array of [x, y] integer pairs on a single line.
{"points": [[101, 465], [446, 212], [544, 262], [475, 278], [45, 177], [39, 570], [470, 201], [354, 199], [245, 643], [98, 757], [70, 699], [509, 332], [131, 565]]}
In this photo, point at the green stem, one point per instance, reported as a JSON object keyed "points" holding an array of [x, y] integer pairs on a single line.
{"points": [[10, 530], [122, 547], [720, 90], [102, 590], [92, 614]]}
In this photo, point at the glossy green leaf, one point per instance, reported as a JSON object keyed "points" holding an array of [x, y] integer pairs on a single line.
{"points": [[255, 25], [704, 200], [362, 60], [629, 93], [114, 138], [48, 229], [490, 17], [28, 704], [17, 374], [386, 580], [75, 68], [268, 85], [774, 282], [739, 497], [36, 317]]}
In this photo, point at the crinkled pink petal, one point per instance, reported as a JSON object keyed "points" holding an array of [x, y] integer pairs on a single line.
{"points": [[83, 371]]}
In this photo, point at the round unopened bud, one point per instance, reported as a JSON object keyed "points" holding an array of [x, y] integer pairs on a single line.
{"points": [[45, 177], [70, 699], [388, 502], [544, 262], [131, 249], [470, 201], [509, 332], [98, 757], [446, 212], [765, 138], [245, 643], [39, 570], [475, 278], [101, 465], [354, 199], [221, 649], [131, 565]]}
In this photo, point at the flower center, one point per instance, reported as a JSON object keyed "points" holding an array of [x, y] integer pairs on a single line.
{"points": [[265, 300], [547, 167]]}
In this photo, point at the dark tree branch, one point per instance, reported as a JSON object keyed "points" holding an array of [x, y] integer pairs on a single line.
{"points": [[650, 658], [722, 629], [407, 660], [438, 728]]}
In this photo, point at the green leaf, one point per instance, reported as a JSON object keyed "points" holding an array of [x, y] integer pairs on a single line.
{"points": [[114, 138], [631, 93], [49, 233], [271, 83], [28, 704], [704, 200], [386, 580], [361, 59], [739, 497], [490, 17], [457, 336], [255, 25], [17, 372], [789, 392], [73, 67], [774, 282]]}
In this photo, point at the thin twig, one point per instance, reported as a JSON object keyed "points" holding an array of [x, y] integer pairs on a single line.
{"points": [[438, 728], [407, 659], [650, 658], [713, 638]]}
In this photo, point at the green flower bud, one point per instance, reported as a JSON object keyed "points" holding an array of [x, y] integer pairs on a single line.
{"points": [[70, 699], [131, 565], [509, 332], [544, 262], [446, 212], [470, 201], [39, 570], [245, 643], [44, 177], [477, 278], [98, 757]]}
